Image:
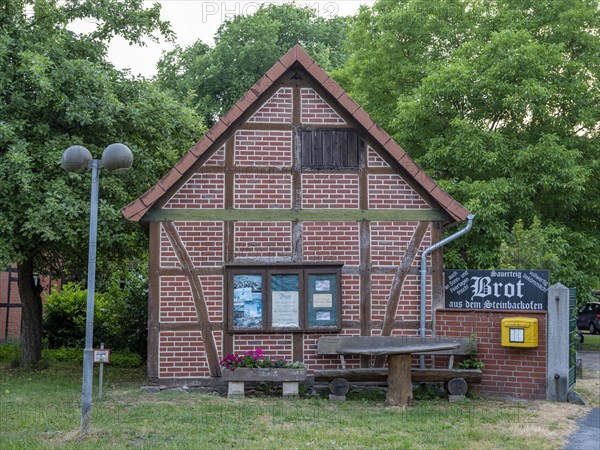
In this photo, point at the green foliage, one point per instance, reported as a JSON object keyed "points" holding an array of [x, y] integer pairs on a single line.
{"points": [[120, 313], [213, 79], [426, 391], [10, 354], [551, 247], [498, 102], [73, 356], [125, 359], [65, 314], [126, 323], [471, 361], [56, 90]]}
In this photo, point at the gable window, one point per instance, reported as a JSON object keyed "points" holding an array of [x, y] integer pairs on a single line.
{"points": [[284, 297], [324, 148]]}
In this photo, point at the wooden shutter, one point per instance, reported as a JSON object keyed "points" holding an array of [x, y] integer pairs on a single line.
{"points": [[330, 148]]}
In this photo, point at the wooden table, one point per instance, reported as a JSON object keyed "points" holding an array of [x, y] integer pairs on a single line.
{"points": [[399, 357]]}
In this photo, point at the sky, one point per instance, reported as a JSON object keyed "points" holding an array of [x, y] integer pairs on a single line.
{"points": [[199, 19]]}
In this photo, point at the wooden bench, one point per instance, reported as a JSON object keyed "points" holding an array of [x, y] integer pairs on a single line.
{"points": [[454, 378]]}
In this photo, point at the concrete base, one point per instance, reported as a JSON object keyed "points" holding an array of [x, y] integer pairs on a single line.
{"points": [[235, 389], [150, 389], [337, 398], [456, 398], [290, 389], [576, 398]]}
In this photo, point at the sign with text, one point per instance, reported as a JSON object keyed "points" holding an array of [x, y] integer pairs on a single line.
{"points": [[285, 313], [518, 290], [102, 355]]}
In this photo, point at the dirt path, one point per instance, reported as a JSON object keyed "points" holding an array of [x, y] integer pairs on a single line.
{"points": [[586, 428]]}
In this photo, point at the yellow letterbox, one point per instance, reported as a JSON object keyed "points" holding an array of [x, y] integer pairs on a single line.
{"points": [[519, 332]]}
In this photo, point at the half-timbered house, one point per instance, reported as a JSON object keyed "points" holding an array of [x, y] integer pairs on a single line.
{"points": [[295, 216]]}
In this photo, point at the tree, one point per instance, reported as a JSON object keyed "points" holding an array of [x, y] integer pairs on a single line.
{"points": [[57, 90], [498, 102], [213, 79]]}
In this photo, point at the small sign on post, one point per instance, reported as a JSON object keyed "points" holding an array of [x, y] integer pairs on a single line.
{"points": [[101, 356]]}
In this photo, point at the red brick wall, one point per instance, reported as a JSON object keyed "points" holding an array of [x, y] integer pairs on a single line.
{"points": [[182, 355], [217, 159], [270, 241], [331, 241], [315, 110], [263, 148], [14, 314], [351, 298], [202, 191], [391, 191], [212, 288], [203, 241], [178, 305], [509, 372], [275, 346], [9, 295], [328, 190], [264, 190], [408, 307], [373, 158], [389, 242], [277, 109]]}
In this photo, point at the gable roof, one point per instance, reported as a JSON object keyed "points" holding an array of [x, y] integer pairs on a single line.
{"points": [[298, 58]]}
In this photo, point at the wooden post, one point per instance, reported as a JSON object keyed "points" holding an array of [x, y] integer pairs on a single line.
{"points": [[399, 391]]}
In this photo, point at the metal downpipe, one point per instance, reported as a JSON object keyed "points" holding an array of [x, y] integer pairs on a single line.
{"points": [[422, 303]]}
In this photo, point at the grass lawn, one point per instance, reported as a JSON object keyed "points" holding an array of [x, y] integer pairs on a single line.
{"points": [[42, 409], [591, 341]]}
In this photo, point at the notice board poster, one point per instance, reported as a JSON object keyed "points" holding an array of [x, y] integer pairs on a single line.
{"points": [[518, 290], [247, 301], [285, 304], [322, 301]]}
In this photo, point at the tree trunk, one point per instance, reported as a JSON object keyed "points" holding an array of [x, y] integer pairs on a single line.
{"points": [[31, 315]]}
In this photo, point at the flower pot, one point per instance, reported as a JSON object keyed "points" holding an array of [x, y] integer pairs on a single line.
{"points": [[289, 377]]}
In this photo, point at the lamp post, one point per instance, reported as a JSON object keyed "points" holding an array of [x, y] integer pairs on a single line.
{"points": [[116, 158]]}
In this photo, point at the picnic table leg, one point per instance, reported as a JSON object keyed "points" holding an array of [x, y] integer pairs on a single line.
{"points": [[399, 391]]}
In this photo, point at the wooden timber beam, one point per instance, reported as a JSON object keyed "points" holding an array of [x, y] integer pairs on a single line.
{"points": [[292, 215], [196, 287]]}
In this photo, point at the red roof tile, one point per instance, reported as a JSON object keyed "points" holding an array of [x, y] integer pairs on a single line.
{"points": [[138, 208], [232, 115], [151, 195], [185, 163], [346, 101], [276, 71]]}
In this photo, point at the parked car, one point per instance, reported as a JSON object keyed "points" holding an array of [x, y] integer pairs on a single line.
{"points": [[588, 317]]}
